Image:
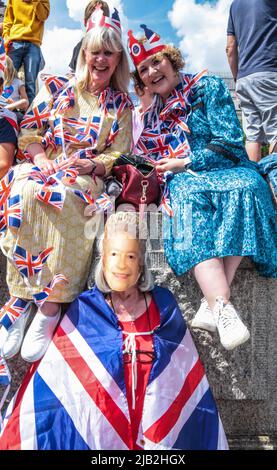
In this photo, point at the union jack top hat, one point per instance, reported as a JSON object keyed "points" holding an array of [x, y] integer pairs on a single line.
{"points": [[99, 19], [140, 51]]}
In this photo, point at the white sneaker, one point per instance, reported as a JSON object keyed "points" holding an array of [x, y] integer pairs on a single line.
{"points": [[232, 331], [14, 335], [204, 318], [39, 336]]}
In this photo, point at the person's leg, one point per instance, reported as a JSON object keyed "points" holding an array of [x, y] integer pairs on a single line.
{"points": [[16, 53], [252, 119], [6, 157], [253, 150], [31, 69], [211, 277], [41, 331], [231, 264]]}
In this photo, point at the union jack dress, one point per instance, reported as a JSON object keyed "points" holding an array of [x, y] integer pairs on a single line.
{"points": [[75, 397], [47, 211]]}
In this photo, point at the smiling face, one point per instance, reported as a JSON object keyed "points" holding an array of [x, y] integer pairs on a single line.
{"points": [[121, 262], [101, 64], [158, 75]]}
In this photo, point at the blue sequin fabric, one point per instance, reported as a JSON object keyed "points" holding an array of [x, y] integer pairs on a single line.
{"points": [[225, 207]]}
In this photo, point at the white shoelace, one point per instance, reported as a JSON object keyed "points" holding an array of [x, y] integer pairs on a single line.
{"points": [[129, 345], [227, 317]]}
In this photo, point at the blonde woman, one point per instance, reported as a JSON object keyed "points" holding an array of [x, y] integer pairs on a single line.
{"points": [[90, 125]]}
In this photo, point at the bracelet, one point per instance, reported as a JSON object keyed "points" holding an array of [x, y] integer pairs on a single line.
{"points": [[93, 168]]}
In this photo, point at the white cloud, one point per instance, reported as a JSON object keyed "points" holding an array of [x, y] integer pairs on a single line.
{"points": [[202, 32], [57, 48]]}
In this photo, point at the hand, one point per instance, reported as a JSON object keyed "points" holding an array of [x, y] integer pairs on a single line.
{"points": [[46, 166], [175, 165], [85, 166]]}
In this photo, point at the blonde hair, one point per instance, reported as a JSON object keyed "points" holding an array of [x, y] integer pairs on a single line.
{"points": [[94, 40], [130, 223], [10, 72]]}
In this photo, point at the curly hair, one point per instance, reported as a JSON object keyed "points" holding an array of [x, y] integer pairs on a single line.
{"points": [[173, 54]]}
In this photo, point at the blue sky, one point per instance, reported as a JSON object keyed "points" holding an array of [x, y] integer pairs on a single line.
{"points": [[152, 12]]}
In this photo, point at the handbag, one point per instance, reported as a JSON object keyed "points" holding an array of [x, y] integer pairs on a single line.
{"points": [[139, 180]]}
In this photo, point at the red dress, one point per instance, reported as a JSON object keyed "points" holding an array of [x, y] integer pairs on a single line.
{"points": [[146, 322]]}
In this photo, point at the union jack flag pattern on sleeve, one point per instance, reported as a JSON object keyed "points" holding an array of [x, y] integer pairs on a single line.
{"points": [[179, 411], [42, 296], [28, 264], [12, 310]]}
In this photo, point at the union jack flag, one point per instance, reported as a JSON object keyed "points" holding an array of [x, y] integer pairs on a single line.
{"points": [[2, 58], [12, 310], [11, 213], [85, 196], [113, 133], [28, 264], [41, 297], [178, 149], [37, 117], [179, 411], [52, 198], [5, 377], [165, 206], [5, 186], [89, 127], [64, 101], [54, 83], [104, 202]]}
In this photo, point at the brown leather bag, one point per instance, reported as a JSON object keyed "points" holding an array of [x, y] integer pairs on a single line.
{"points": [[139, 181]]}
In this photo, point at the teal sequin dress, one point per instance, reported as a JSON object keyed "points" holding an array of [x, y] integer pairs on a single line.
{"points": [[225, 208]]}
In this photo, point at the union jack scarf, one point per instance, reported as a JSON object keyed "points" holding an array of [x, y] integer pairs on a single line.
{"points": [[165, 129], [165, 125]]}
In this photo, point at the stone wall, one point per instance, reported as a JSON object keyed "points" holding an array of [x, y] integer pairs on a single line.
{"points": [[244, 381]]}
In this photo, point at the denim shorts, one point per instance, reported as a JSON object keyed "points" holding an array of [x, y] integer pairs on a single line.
{"points": [[257, 94]]}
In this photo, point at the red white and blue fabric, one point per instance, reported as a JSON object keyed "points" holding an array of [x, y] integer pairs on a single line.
{"points": [[27, 264], [98, 19], [12, 310], [5, 186], [104, 202], [166, 126], [42, 296], [53, 198], [11, 213], [2, 58], [5, 377], [37, 117], [75, 398]]}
